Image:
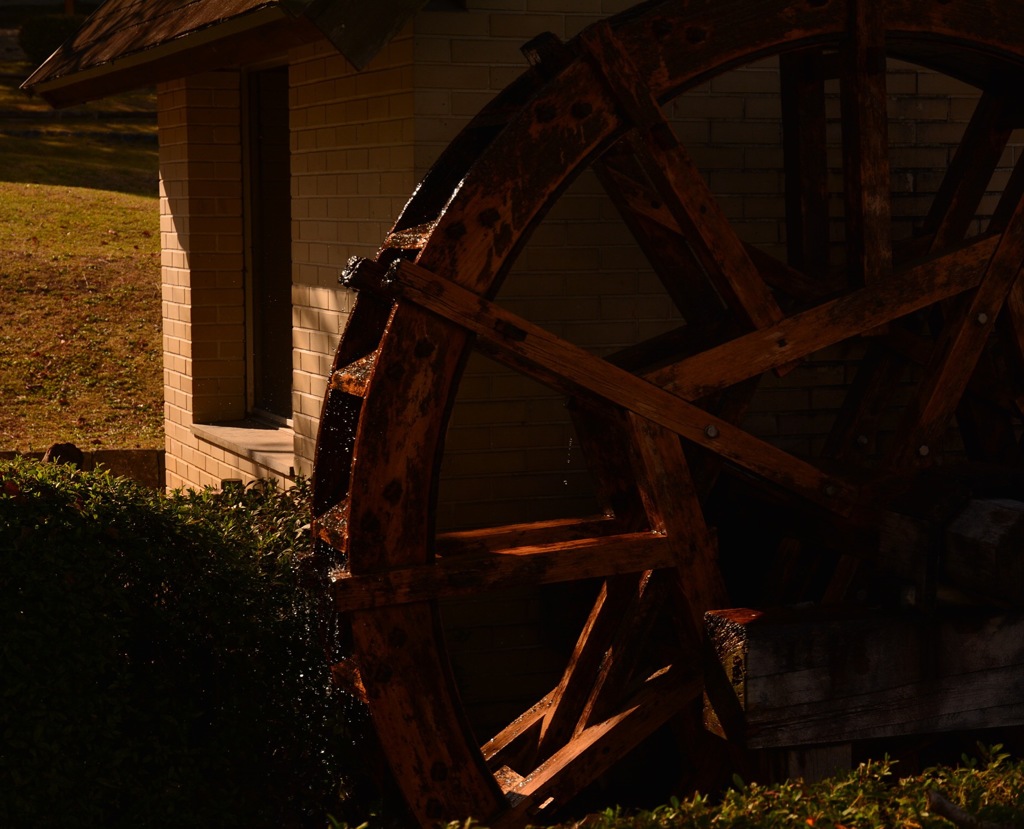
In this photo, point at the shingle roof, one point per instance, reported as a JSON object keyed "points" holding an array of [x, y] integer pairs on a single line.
{"points": [[131, 43]]}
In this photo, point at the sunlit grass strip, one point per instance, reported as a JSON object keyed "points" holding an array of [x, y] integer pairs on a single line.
{"points": [[80, 318]]}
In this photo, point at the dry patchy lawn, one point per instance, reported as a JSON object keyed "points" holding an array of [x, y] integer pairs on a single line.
{"points": [[80, 329]]}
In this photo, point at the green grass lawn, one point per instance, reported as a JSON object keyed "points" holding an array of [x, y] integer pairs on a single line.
{"points": [[80, 325]]}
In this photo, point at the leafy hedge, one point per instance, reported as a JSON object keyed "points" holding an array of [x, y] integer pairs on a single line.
{"points": [[159, 664], [160, 667], [975, 795]]}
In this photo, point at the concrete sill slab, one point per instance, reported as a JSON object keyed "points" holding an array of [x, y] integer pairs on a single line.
{"points": [[263, 443]]}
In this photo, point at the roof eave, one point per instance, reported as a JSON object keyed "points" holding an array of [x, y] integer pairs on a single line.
{"points": [[270, 31]]}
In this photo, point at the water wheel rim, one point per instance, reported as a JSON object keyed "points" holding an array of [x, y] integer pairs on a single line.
{"points": [[403, 416]]}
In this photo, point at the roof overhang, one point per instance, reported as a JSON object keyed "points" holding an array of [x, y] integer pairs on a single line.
{"points": [[127, 44]]}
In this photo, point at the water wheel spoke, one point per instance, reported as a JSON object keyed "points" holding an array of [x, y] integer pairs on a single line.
{"points": [[681, 186], [826, 324], [471, 573], [611, 643], [794, 283], [626, 652], [802, 85], [593, 751], [614, 634], [968, 174], [601, 432], [1011, 196], [881, 372], [866, 193], [992, 379], [616, 606], [988, 430], [516, 744], [673, 507], [987, 413], [521, 345], [656, 233], [731, 406], [533, 533], [866, 144], [959, 347], [397, 642]]}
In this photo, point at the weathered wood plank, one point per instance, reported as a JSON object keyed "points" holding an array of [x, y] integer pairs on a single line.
{"points": [[612, 643], [815, 677], [602, 430], [826, 324], [598, 748], [681, 185], [967, 550], [400, 642], [409, 238], [866, 144], [983, 551], [475, 572], [673, 508], [816, 763], [518, 738], [626, 653], [353, 378], [615, 608], [488, 539], [526, 347]]}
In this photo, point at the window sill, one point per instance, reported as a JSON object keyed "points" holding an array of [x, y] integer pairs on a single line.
{"points": [[266, 444]]}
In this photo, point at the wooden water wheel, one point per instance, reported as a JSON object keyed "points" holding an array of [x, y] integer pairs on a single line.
{"points": [[659, 423]]}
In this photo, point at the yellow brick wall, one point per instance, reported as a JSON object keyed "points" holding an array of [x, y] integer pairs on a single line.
{"points": [[352, 139], [201, 225]]}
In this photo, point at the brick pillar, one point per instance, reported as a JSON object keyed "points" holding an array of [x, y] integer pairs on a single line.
{"points": [[202, 233]]}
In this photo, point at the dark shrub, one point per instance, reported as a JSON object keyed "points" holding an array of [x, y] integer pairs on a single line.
{"points": [[42, 34], [159, 664]]}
